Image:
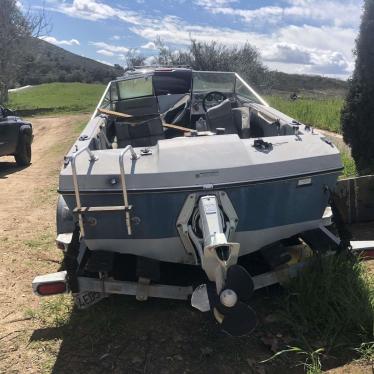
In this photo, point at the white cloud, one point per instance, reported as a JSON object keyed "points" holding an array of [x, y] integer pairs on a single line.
{"points": [[314, 60], [289, 44], [115, 37], [150, 60], [110, 47], [333, 12], [105, 62], [174, 30], [325, 38], [94, 10], [322, 39], [53, 40], [290, 53], [104, 52], [214, 3], [149, 45]]}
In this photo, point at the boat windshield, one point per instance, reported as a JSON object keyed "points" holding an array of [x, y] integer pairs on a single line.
{"points": [[165, 84], [226, 82], [213, 81], [133, 88]]}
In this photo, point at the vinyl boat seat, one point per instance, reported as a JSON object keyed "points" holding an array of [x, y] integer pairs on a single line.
{"points": [[242, 119], [221, 116], [234, 121], [138, 106], [263, 127], [143, 134]]}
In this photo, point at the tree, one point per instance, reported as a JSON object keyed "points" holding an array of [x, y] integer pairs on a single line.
{"points": [[16, 29], [166, 56], [358, 111], [133, 59], [244, 60]]}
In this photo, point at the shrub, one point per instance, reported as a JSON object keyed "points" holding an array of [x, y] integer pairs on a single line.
{"points": [[358, 112]]}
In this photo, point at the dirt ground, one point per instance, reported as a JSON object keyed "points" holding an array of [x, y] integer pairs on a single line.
{"points": [[119, 335]]}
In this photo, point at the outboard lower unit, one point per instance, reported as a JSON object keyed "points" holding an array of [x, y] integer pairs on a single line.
{"points": [[230, 284]]}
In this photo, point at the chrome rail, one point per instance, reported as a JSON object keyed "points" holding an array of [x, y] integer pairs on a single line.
{"points": [[79, 209], [73, 159], [134, 156]]}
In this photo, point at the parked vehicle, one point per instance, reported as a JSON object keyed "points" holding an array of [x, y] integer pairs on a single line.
{"points": [[184, 178], [15, 137]]}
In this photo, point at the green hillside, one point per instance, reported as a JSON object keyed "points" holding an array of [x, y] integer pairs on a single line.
{"points": [[57, 98], [47, 63], [306, 85]]}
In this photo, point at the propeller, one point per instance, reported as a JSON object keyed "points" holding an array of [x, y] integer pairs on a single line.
{"points": [[239, 280], [229, 307], [240, 320]]}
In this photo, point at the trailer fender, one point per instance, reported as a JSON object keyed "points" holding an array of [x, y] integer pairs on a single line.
{"points": [[64, 217]]}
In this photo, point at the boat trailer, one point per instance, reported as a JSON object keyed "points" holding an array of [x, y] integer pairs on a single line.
{"points": [[229, 287]]}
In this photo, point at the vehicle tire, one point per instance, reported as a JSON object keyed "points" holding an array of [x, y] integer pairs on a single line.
{"points": [[23, 155]]}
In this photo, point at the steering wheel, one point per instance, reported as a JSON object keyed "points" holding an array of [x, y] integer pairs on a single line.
{"points": [[212, 96]]}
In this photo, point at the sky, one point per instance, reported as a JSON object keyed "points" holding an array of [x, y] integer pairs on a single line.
{"points": [[294, 36]]}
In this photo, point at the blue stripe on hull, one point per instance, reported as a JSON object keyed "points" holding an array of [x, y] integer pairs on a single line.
{"points": [[258, 206]]}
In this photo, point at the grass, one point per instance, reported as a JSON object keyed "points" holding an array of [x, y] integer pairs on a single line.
{"points": [[321, 113], [349, 165], [312, 360], [63, 146], [56, 98], [366, 352], [41, 242], [53, 311], [330, 306]]}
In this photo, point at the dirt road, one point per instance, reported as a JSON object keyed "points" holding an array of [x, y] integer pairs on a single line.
{"points": [[119, 335], [27, 199]]}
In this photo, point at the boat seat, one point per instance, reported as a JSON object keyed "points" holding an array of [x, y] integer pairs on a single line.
{"points": [[262, 127], [242, 119], [138, 106], [144, 134], [221, 116]]}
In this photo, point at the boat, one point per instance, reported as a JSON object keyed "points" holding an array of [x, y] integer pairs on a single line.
{"points": [[179, 183]]}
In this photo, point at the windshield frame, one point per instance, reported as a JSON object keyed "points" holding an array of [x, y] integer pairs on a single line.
{"points": [[250, 89]]}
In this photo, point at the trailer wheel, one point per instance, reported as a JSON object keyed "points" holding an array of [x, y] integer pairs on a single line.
{"points": [[23, 155]]}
